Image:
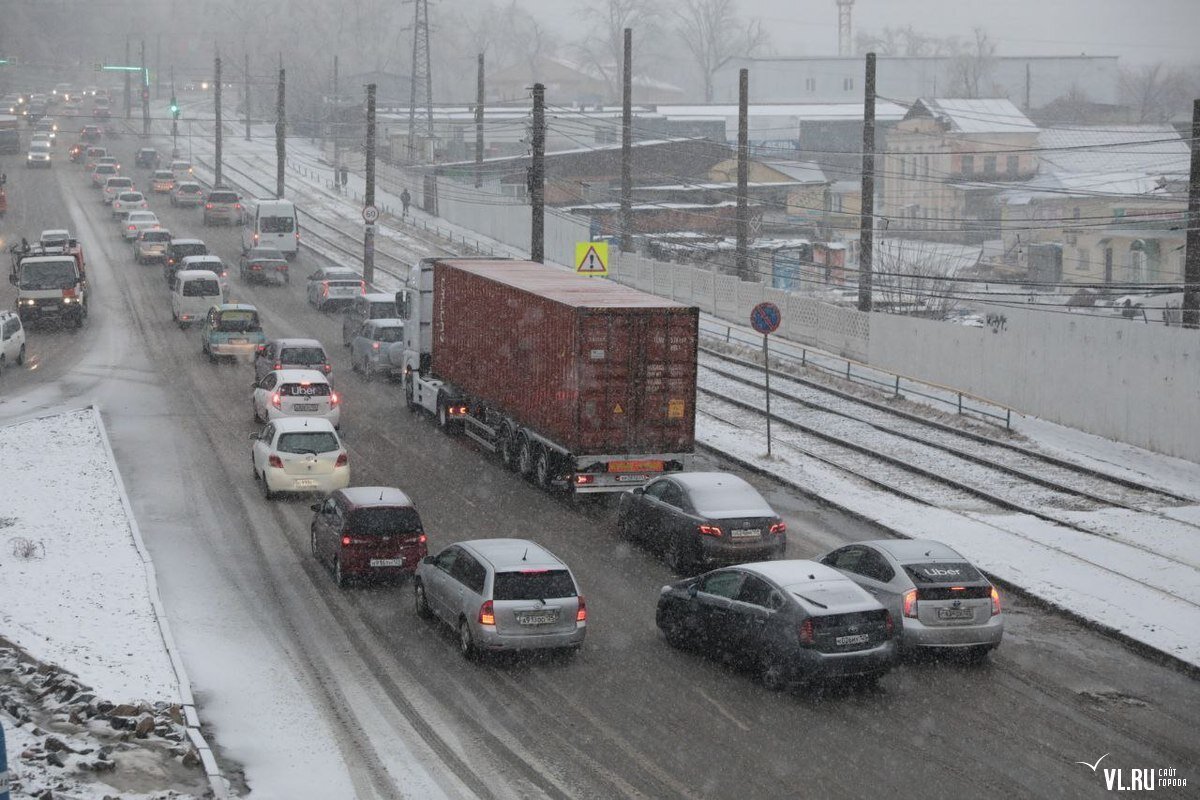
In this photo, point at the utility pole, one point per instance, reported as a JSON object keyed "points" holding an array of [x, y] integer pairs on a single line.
{"points": [[1028, 87], [158, 67], [866, 221], [422, 81], [537, 176], [333, 122], [174, 118], [627, 145], [479, 125], [246, 89], [128, 99], [369, 199], [1191, 258], [145, 93], [743, 177], [217, 127], [280, 133]]}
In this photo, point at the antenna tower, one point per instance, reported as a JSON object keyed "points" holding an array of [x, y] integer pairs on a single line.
{"points": [[844, 7], [420, 106]]}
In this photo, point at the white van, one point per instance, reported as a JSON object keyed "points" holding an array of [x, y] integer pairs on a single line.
{"points": [[272, 223], [193, 293]]}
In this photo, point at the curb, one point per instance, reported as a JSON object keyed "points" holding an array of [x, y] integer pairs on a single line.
{"points": [[1135, 645], [216, 782]]}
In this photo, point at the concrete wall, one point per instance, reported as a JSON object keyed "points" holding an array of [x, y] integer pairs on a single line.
{"points": [[1123, 380]]}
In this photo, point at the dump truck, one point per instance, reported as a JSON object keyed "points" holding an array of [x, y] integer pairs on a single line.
{"points": [[51, 280]]}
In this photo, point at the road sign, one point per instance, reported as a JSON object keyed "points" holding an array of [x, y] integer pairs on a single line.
{"points": [[370, 214], [591, 259], [765, 318]]}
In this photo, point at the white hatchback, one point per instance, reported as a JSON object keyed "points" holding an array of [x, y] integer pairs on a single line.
{"points": [[125, 202], [210, 262], [299, 455], [136, 222], [296, 393], [12, 340]]}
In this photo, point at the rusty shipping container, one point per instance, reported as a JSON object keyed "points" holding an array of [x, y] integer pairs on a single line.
{"points": [[597, 367]]}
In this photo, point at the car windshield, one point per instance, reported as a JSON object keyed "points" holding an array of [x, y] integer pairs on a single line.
{"points": [[385, 521], [304, 390], [237, 321], [276, 224], [48, 275], [383, 310], [534, 584], [389, 334], [39, 145], [201, 287], [307, 442]]}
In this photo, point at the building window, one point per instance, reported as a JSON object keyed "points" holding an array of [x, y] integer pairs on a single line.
{"points": [[848, 84], [810, 84], [989, 165], [1075, 214], [1083, 261], [925, 165], [968, 163], [1014, 165]]}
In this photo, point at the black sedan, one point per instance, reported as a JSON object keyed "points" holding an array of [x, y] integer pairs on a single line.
{"points": [[789, 621], [702, 518]]}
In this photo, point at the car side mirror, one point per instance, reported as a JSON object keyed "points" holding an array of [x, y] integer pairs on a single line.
{"points": [[315, 507], [692, 590], [12, 278], [253, 436], [427, 560], [638, 490]]}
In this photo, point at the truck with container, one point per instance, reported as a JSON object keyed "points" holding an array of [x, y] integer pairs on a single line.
{"points": [[51, 282], [577, 383], [10, 134]]}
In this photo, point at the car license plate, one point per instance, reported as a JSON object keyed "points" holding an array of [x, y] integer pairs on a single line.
{"points": [[858, 638], [237, 341], [955, 613], [306, 483], [745, 533], [626, 478], [304, 407], [387, 562], [537, 619]]}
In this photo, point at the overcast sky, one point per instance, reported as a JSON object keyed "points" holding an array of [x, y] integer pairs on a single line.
{"points": [[1137, 30]]}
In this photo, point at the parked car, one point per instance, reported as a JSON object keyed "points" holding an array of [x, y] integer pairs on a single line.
{"points": [[12, 340], [789, 621], [222, 206], [376, 305], [291, 354], [151, 246], [369, 352], [502, 595], [702, 518], [231, 330], [939, 598], [330, 286], [137, 222], [295, 393], [187, 194], [299, 455], [368, 531], [162, 181]]}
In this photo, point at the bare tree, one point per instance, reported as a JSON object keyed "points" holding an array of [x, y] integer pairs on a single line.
{"points": [[915, 277], [971, 70], [1154, 92], [906, 41], [605, 52], [713, 34]]}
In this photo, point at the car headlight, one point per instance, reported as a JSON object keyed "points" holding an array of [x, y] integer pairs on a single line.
{"points": [[69, 300], [29, 302]]}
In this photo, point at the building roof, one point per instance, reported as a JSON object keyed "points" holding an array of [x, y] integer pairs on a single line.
{"points": [[612, 206], [1057, 184], [702, 144], [813, 112], [1148, 149], [971, 115], [801, 171]]}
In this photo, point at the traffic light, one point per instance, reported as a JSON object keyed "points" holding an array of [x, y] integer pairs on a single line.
{"points": [[174, 107]]}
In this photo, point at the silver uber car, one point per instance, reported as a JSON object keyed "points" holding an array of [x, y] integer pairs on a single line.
{"points": [[940, 599], [502, 594]]}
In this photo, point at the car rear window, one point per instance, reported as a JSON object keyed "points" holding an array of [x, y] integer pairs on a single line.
{"points": [[235, 321], [307, 442], [389, 334], [385, 521], [276, 224], [185, 250], [105, 169], [304, 389], [540, 584], [189, 189], [163, 175], [117, 183], [130, 197], [942, 572], [222, 197], [156, 236], [381, 310], [201, 287], [302, 355]]}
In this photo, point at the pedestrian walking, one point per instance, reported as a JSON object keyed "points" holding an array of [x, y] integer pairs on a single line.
{"points": [[405, 199]]}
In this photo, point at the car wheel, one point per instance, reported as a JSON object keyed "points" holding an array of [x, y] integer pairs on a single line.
{"points": [[542, 473], [673, 631], [368, 373], [339, 577], [773, 673], [420, 601], [679, 555], [257, 417], [466, 642], [266, 488], [21, 356], [507, 448], [2, 364], [312, 543], [525, 457], [353, 363], [287, 278]]}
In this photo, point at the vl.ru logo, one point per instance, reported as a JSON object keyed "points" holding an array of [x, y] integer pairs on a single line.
{"points": [[1137, 779]]}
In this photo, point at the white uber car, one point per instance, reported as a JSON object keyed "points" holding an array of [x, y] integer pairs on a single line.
{"points": [[296, 393], [299, 455]]}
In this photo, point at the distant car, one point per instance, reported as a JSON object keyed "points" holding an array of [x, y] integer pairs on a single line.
{"points": [[147, 158], [115, 186], [702, 518], [299, 455], [137, 222], [264, 269], [91, 133], [55, 237], [162, 181], [368, 531], [77, 152], [332, 286], [222, 206], [369, 350], [187, 194], [295, 393], [939, 598], [291, 354], [12, 340], [129, 201], [151, 246], [181, 248], [212, 263], [231, 330], [39, 155], [100, 108], [48, 127], [93, 156], [502, 595], [40, 136], [107, 159], [376, 305], [182, 170], [101, 173], [788, 621]]}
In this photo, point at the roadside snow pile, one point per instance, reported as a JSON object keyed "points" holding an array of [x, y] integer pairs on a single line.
{"points": [[74, 585]]}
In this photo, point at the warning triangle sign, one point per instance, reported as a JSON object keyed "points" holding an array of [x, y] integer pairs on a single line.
{"points": [[591, 262], [591, 258]]}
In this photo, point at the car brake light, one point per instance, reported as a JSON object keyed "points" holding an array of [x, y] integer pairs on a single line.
{"points": [[346, 540], [343, 459], [910, 603], [334, 399], [888, 622], [584, 480], [487, 613], [277, 366], [325, 288], [327, 367], [779, 527], [374, 345], [581, 614], [806, 632], [208, 205], [275, 461], [710, 530], [132, 227], [275, 399], [236, 206], [995, 602]]}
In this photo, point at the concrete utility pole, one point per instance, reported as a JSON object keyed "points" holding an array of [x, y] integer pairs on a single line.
{"points": [[866, 220], [128, 99], [333, 123], [217, 126], [280, 135], [743, 177], [145, 93], [479, 125], [627, 146], [1191, 258], [158, 66], [369, 198], [537, 176], [246, 93]]}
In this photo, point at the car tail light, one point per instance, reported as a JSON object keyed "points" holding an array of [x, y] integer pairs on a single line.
{"points": [[275, 461], [422, 539], [325, 288], [237, 206], [487, 613], [779, 527], [806, 632], [132, 228], [584, 480], [334, 399], [374, 345], [457, 411], [581, 614], [346, 540], [327, 368], [208, 205], [909, 603], [277, 366], [343, 460], [709, 530], [362, 285], [887, 620], [275, 399], [995, 602], [256, 237]]}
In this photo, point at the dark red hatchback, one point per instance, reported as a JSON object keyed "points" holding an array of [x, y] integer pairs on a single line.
{"points": [[368, 531]]}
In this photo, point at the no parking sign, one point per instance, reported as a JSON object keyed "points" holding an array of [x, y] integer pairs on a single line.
{"points": [[765, 318]]}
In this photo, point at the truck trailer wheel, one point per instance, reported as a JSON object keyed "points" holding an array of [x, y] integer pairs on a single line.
{"points": [[507, 448], [543, 471], [525, 456]]}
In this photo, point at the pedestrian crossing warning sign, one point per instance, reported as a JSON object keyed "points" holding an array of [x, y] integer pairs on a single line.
{"points": [[591, 258]]}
